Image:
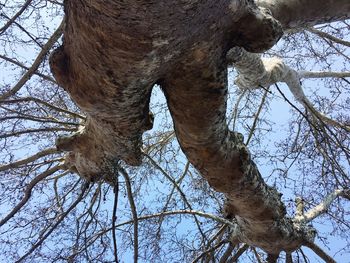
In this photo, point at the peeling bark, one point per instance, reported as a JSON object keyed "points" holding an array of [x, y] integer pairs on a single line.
{"points": [[114, 52], [255, 72]]}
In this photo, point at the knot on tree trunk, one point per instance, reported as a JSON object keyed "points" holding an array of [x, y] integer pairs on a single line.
{"points": [[257, 30], [95, 148]]}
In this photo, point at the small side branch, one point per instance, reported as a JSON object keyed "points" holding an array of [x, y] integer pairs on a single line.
{"points": [[29, 159], [182, 212], [176, 185], [206, 252], [15, 62], [328, 36], [44, 103]]}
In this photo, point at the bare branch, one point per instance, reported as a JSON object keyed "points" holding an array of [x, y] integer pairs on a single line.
{"points": [[319, 252], [213, 248], [322, 207], [9, 23], [49, 129], [239, 253], [133, 211], [256, 118], [257, 256], [45, 77], [182, 212], [255, 72], [114, 219], [323, 74], [175, 184], [28, 192], [61, 218], [29, 159], [328, 36], [227, 253], [45, 103], [38, 119], [52, 40]]}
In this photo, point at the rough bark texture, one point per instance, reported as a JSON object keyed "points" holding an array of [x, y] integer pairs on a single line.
{"points": [[112, 55]]}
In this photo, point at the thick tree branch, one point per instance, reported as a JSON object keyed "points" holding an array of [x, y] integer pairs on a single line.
{"points": [[116, 96], [197, 105], [295, 14], [255, 72], [319, 252], [322, 207]]}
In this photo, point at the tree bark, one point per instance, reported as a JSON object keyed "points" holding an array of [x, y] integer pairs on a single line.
{"points": [[115, 51], [295, 14]]}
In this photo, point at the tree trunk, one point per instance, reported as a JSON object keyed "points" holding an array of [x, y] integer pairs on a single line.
{"points": [[115, 51]]}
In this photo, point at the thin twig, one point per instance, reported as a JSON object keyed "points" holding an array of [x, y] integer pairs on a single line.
{"points": [[257, 114]]}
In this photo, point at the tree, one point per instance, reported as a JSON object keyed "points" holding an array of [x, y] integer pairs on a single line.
{"points": [[77, 198]]}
